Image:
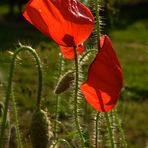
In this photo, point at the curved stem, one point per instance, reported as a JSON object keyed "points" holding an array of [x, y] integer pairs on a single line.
{"points": [[62, 140], [8, 91], [86, 53], [76, 99], [120, 129], [96, 138], [19, 140], [109, 130]]}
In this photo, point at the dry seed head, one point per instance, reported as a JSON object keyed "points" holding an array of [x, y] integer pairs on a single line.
{"points": [[65, 82], [40, 129]]}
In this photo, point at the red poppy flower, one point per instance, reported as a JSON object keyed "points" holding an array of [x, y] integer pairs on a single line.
{"points": [[104, 82], [68, 52], [67, 22]]}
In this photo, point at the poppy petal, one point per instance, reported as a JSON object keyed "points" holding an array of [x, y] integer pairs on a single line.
{"points": [[68, 52], [104, 82], [67, 22]]}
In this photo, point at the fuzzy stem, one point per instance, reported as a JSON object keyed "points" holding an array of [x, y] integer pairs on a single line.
{"points": [[58, 97], [9, 87], [97, 22], [85, 54], [76, 98], [109, 129], [62, 140], [118, 121], [96, 126], [56, 116], [19, 140]]}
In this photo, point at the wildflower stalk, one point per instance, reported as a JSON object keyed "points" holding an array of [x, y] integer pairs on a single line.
{"points": [[58, 97], [56, 115], [9, 87], [109, 129], [86, 54], [62, 141], [96, 126], [98, 41], [18, 133], [118, 121], [76, 99], [97, 21]]}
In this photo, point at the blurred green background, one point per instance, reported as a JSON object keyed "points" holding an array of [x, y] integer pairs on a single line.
{"points": [[129, 33]]}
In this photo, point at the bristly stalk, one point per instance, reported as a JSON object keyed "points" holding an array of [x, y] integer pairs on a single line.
{"points": [[97, 22], [18, 133], [62, 141], [96, 130], [109, 129], [61, 68], [9, 87], [76, 99], [118, 121]]}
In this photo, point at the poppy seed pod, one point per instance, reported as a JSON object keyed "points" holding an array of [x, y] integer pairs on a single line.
{"points": [[40, 129], [65, 82]]}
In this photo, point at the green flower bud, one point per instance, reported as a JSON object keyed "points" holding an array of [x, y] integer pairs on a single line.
{"points": [[40, 130], [65, 82]]}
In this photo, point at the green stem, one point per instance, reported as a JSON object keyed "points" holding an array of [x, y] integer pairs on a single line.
{"points": [[76, 99], [97, 22], [118, 121], [62, 140], [19, 140], [58, 98], [109, 129], [85, 54], [97, 121], [56, 116], [8, 91]]}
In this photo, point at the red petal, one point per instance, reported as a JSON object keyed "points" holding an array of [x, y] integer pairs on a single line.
{"points": [[104, 83], [67, 22], [68, 52]]}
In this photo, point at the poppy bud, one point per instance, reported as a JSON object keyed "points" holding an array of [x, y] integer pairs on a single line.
{"points": [[65, 82], [40, 129]]}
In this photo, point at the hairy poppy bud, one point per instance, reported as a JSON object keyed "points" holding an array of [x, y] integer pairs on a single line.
{"points": [[64, 83], [40, 129]]}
